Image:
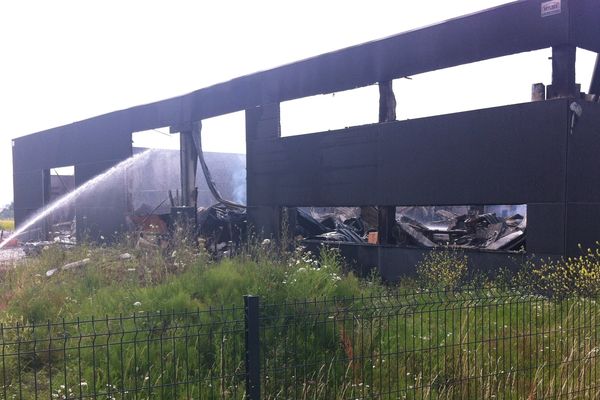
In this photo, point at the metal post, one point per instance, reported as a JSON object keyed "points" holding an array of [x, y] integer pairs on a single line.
{"points": [[563, 72], [183, 213], [262, 125], [386, 215], [188, 160], [252, 356]]}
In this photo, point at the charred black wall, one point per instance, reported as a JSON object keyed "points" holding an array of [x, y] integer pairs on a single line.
{"points": [[394, 262], [583, 198], [507, 155], [524, 153], [90, 151]]}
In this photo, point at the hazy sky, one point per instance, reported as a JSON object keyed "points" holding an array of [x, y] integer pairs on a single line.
{"points": [[63, 61]]}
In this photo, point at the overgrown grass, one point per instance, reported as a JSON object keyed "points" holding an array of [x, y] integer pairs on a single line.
{"points": [[173, 280], [325, 333]]}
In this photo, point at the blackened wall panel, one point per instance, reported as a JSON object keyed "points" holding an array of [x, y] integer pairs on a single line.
{"points": [[583, 227], [70, 146], [546, 228], [505, 155], [29, 189], [262, 126], [309, 167], [583, 208], [91, 151], [584, 156], [393, 263]]}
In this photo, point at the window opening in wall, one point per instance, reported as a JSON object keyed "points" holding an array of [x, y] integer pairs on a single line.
{"points": [[60, 224], [487, 227], [158, 138], [584, 68], [466, 87], [330, 111], [154, 185], [154, 188], [224, 146]]}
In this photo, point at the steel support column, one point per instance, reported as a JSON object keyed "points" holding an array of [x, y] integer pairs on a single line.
{"points": [[386, 215], [189, 161], [563, 72], [262, 125]]}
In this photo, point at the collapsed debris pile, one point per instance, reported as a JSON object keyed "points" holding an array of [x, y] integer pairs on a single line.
{"points": [[221, 226], [484, 231]]}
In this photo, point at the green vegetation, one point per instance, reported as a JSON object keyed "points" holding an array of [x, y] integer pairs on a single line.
{"points": [[563, 278], [427, 338], [7, 225], [443, 269], [174, 280]]}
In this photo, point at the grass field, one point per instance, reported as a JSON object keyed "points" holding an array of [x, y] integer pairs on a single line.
{"points": [[358, 339]]}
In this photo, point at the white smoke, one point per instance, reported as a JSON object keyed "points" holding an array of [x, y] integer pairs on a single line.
{"points": [[238, 178]]}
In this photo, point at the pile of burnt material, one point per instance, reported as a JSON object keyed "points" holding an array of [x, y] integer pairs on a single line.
{"points": [[224, 228], [484, 231], [434, 228]]}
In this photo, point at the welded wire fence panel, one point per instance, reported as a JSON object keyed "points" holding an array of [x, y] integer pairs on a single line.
{"points": [[148, 356], [485, 344], [467, 344]]}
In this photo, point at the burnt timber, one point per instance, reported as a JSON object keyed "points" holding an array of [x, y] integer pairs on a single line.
{"points": [[528, 153]]}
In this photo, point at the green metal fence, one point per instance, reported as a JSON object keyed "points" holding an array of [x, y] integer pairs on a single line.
{"points": [[468, 344]]}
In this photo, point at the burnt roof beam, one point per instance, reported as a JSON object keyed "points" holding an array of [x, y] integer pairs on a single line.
{"points": [[513, 28]]}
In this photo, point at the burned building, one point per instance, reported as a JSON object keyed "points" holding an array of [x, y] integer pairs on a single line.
{"points": [[147, 187], [388, 164]]}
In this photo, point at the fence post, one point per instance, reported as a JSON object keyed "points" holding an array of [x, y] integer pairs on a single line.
{"points": [[252, 356]]}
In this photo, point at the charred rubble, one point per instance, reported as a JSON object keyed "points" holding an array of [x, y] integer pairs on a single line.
{"points": [[222, 226]]}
